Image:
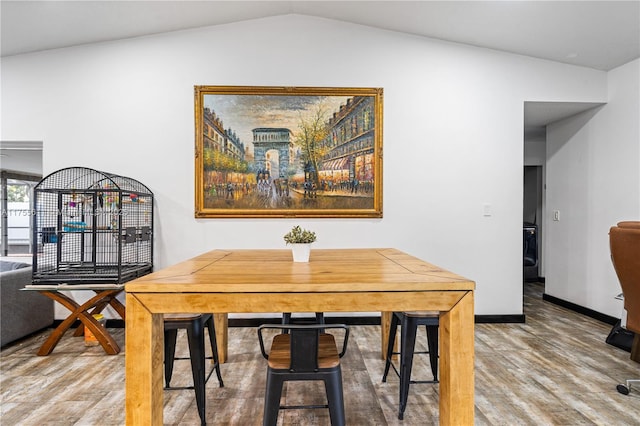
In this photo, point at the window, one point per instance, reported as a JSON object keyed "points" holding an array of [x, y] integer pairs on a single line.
{"points": [[16, 213]]}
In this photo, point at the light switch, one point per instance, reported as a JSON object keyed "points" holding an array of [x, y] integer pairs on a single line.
{"points": [[556, 215], [487, 211]]}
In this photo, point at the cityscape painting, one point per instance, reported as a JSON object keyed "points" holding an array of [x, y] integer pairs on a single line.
{"points": [[288, 151]]}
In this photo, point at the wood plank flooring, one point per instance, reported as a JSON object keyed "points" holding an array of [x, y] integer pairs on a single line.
{"points": [[554, 370]]}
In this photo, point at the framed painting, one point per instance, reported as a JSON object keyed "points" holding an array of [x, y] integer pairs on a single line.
{"points": [[288, 152]]}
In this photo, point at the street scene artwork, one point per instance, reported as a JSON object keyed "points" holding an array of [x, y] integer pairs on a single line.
{"points": [[288, 151]]}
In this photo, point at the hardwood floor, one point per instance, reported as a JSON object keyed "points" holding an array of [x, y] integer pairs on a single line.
{"points": [[554, 370]]}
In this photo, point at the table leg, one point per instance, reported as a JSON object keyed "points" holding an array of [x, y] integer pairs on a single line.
{"points": [[144, 340], [115, 304], [96, 310], [221, 322], [118, 306], [80, 312], [456, 363], [385, 323]]}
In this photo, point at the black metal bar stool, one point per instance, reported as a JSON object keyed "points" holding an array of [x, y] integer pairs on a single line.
{"points": [[409, 322], [194, 324]]}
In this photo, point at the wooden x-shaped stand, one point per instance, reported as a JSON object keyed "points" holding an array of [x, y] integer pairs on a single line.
{"points": [[103, 298]]}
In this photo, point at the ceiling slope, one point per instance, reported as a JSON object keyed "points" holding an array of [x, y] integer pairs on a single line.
{"points": [[597, 34]]}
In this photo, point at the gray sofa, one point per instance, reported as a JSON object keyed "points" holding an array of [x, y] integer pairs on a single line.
{"points": [[21, 312]]}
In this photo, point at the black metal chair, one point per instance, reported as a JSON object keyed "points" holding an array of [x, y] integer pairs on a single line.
{"points": [[409, 322], [194, 324], [286, 319], [305, 353]]}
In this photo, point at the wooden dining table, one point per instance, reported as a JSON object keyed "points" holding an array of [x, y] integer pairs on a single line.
{"points": [[266, 281]]}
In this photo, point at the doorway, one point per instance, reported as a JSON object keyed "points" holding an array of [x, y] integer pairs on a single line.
{"points": [[532, 223], [537, 116]]}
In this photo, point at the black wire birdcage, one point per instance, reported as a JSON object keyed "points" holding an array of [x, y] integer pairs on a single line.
{"points": [[91, 227]]}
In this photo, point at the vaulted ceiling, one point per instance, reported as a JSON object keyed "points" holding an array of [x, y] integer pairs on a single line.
{"points": [[596, 34]]}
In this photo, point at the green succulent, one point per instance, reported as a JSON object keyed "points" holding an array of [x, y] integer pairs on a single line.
{"points": [[297, 235]]}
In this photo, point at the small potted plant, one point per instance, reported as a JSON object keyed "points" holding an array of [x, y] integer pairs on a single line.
{"points": [[300, 240]]}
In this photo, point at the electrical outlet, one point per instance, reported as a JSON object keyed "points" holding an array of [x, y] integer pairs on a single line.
{"points": [[556, 215]]}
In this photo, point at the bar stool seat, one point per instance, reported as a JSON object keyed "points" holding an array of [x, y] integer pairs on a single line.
{"points": [[194, 325], [409, 322]]}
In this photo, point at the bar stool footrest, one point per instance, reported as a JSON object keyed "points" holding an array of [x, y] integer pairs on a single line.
{"points": [[206, 379], [412, 382]]}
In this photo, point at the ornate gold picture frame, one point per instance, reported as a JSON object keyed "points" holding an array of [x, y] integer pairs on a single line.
{"points": [[288, 152]]}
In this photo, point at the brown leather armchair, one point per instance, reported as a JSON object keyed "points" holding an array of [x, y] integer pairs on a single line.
{"points": [[624, 240]]}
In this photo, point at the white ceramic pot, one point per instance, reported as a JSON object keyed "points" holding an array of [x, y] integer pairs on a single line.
{"points": [[301, 252]]}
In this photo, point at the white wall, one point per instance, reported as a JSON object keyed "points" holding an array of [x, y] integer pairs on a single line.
{"points": [[453, 132], [535, 152], [593, 179]]}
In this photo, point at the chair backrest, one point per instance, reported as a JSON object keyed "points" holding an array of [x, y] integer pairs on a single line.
{"points": [[305, 348], [629, 224], [624, 241]]}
